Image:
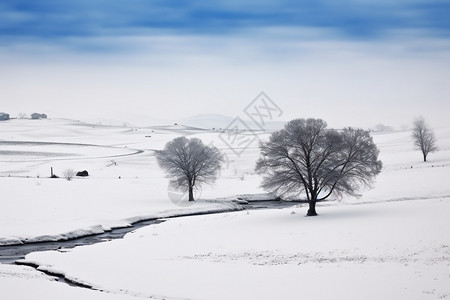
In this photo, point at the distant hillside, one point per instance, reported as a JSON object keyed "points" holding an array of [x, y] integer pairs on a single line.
{"points": [[209, 121]]}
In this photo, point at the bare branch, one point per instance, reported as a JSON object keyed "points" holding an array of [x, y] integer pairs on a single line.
{"points": [[423, 137], [189, 163], [306, 158], [69, 174]]}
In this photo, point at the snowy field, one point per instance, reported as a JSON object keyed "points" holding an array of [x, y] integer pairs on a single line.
{"points": [[125, 184], [397, 250], [392, 243]]}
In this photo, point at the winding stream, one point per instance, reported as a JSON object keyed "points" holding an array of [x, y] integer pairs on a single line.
{"points": [[14, 254], [9, 254]]}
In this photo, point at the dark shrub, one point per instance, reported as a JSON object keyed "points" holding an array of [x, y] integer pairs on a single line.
{"points": [[83, 173]]}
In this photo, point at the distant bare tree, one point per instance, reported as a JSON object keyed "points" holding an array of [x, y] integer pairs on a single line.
{"points": [[189, 163], [423, 137], [21, 115], [306, 158], [69, 174]]}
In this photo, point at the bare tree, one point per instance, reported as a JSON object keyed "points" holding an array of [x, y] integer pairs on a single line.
{"points": [[189, 163], [305, 158], [423, 137], [69, 174]]}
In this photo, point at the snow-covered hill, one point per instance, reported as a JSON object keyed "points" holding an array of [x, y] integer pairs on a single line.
{"points": [[391, 243], [218, 122]]}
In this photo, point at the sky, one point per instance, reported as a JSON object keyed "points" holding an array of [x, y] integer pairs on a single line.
{"points": [[351, 62]]}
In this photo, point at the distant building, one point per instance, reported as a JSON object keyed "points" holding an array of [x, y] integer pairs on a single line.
{"points": [[37, 116], [4, 116]]}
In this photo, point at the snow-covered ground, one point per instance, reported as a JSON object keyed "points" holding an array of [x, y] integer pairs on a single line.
{"points": [[125, 184], [24, 283], [398, 250], [392, 243]]}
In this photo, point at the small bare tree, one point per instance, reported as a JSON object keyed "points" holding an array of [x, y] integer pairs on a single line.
{"points": [[69, 174], [423, 137], [189, 163], [305, 158]]}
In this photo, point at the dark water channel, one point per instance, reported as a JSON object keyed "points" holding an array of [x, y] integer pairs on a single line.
{"points": [[11, 253]]}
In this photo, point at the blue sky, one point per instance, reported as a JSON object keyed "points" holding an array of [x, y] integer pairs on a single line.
{"points": [[188, 57], [51, 20]]}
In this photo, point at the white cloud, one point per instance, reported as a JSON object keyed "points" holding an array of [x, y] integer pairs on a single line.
{"points": [[309, 73]]}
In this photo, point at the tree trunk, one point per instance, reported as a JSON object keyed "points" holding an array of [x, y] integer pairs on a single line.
{"points": [[424, 157], [191, 193], [312, 209]]}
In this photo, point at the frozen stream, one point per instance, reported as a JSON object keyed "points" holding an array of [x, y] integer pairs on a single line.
{"points": [[14, 254], [10, 254]]}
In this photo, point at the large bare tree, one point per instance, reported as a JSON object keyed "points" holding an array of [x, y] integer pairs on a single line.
{"points": [[423, 137], [189, 163], [305, 158]]}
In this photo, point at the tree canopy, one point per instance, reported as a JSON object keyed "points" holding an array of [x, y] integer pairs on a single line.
{"points": [[189, 163], [305, 159], [423, 137]]}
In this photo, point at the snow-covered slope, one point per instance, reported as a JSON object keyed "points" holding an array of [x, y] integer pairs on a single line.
{"points": [[375, 251], [391, 243], [126, 184], [217, 122]]}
